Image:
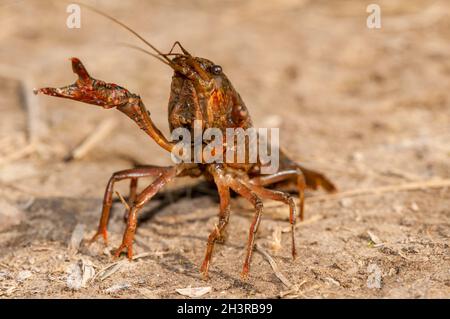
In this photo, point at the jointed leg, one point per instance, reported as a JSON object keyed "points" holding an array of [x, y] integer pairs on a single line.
{"points": [[282, 197], [134, 174], [166, 175], [133, 188], [224, 215], [131, 196], [248, 194], [282, 176]]}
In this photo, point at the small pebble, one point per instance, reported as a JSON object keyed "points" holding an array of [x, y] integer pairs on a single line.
{"points": [[75, 277], [24, 275], [118, 287], [332, 281], [346, 202], [374, 278]]}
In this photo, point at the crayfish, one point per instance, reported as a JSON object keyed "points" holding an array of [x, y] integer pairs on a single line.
{"points": [[200, 91]]}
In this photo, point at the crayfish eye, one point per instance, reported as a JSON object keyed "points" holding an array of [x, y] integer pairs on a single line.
{"points": [[216, 69]]}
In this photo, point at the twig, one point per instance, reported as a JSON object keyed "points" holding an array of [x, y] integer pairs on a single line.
{"points": [[381, 190], [294, 290], [24, 151], [274, 266], [374, 238], [110, 270], [152, 253], [99, 133], [5, 266], [36, 127], [312, 220], [399, 173]]}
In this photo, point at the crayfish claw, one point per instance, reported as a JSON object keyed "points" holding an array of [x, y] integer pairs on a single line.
{"points": [[89, 90], [79, 69], [58, 92]]}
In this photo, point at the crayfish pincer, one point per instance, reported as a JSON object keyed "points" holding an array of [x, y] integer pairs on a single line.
{"points": [[202, 100]]}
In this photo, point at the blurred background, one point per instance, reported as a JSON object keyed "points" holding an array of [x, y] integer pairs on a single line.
{"points": [[369, 107]]}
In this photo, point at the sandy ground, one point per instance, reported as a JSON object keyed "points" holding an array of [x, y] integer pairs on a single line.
{"points": [[370, 108]]}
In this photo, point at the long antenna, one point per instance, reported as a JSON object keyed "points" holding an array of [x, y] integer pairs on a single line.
{"points": [[135, 47], [127, 28]]}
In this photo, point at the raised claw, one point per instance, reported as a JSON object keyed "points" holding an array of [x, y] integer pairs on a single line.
{"points": [[89, 90], [108, 95]]}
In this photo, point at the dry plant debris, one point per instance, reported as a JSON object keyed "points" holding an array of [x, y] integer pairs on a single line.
{"points": [[194, 292]]}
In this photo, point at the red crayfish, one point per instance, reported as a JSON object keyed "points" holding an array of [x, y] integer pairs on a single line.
{"points": [[200, 91]]}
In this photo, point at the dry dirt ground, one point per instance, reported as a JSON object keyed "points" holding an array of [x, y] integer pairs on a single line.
{"points": [[370, 107]]}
